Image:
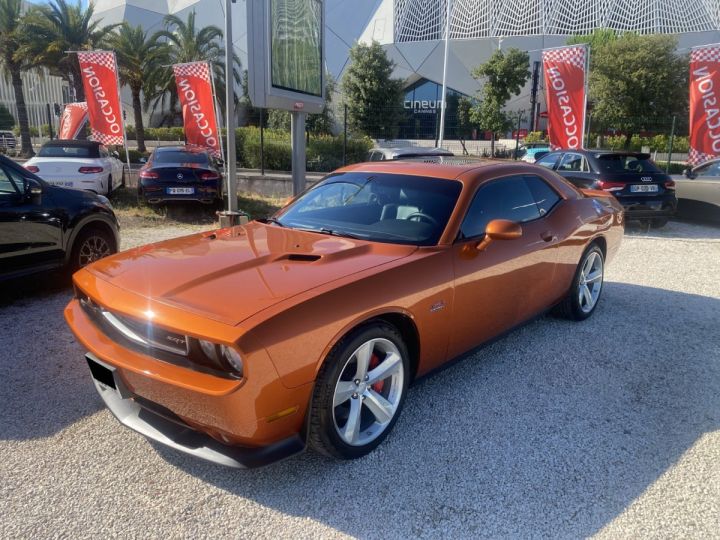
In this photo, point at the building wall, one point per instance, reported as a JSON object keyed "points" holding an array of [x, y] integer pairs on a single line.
{"points": [[40, 89]]}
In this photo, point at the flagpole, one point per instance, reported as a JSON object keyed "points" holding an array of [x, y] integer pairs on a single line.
{"points": [[127, 152], [587, 76], [444, 80]]}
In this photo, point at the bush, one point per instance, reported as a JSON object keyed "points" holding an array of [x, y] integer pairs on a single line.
{"points": [[135, 155], [535, 136], [324, 152]]}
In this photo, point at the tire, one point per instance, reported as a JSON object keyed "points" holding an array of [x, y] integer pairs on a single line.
{"points": [[91, 244], [340, 395], [658, 223], [576, 306]]}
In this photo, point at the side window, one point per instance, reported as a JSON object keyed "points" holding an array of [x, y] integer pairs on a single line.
{"points": [[545, 196], [8, 188], [709, 169], [571, 162], [507, 198], [549, 161]]}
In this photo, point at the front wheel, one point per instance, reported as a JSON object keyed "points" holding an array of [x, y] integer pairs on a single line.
{"points": [[359, 392], [584, 294], [658, 223], [91, 245]]}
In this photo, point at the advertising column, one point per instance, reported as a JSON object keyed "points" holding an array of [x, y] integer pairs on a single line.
{"points": [[565, 70], [704, 104]]}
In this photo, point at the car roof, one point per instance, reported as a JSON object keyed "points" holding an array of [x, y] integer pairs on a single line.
{"points": [[189, 148], [467, 171], [412, 151], [73, 142]]}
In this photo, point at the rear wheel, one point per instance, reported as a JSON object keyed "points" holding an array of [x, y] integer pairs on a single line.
{"points": [[359, 392], [658, 223], [92, 244], [584, 294]]}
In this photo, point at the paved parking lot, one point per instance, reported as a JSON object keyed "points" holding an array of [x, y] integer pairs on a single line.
{"points": [[609, 427]]}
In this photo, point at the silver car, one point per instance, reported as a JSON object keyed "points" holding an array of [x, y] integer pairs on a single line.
{"points": [[385, 154], [698, 191]]}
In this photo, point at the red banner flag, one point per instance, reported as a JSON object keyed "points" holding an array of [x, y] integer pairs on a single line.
{"points": [[73, 120], [565, 72], [99, 74], [198, 105], [704, 104]]}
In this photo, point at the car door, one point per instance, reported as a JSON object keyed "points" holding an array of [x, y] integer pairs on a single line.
{"points": [[549, 161], [499, 286], [703, 186], [31, 230], [574, 168]]}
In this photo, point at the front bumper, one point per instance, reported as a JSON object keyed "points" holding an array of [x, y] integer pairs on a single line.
{"points": [[647, 208], [162, 425]]}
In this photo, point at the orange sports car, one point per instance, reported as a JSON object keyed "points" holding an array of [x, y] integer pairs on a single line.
{"points": [[244, 345]]}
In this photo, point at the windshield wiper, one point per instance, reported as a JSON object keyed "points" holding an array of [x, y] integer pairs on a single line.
{"points": [[271, 220], [339, 233]]}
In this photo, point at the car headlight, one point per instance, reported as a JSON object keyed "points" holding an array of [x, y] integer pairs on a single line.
{"points": [[104, 201], [221, 357]]}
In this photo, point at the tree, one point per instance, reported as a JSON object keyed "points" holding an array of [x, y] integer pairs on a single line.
{"points": [[139, 57], [13, 62], [59, 27], [505, 74], [636, 80], [373, 98], [184, 42], [7, 121]]}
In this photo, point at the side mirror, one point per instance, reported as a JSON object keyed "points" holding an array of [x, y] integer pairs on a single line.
{"points": [[116, 155], [33, 192], [688, 172], [499, 229]]}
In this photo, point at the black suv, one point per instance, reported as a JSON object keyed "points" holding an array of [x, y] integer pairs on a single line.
{"points": [[646, 192], [44, 227]]}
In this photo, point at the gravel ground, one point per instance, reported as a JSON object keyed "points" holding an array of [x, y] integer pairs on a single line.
{"points": [[609, 428]]}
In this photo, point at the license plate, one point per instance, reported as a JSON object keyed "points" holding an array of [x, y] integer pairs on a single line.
{"points": [[180, 190], [62, 183], [102, 374], [644, 188]]}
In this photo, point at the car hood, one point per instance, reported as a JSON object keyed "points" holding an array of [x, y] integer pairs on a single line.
{"points": [[231, 274]]}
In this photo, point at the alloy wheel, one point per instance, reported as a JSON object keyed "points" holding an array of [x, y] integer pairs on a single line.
{"points": [[590, 282], [94, 248], [368, 392]]}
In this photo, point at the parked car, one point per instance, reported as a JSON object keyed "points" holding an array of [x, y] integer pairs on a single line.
{"points": [[698, 191], [531, 152], [646, 192], [77, 164], [242, 345], [45, 227], [8, 140], [388, 154], [180, 173]]}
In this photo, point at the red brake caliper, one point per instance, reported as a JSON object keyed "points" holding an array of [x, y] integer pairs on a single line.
{"points": [[374, 362]]}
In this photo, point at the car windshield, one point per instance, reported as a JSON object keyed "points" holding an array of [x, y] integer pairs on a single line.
{"points": [[180, 156], [631, 163], [391, 208], [68, 152]]}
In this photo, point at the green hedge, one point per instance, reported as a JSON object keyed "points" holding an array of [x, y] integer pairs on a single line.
{"points": [[659, 143]]}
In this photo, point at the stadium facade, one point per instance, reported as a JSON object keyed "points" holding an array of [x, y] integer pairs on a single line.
{"points": [[412, 31]]}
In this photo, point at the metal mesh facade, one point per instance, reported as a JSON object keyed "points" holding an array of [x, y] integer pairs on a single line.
{"points": [[422, 20]]}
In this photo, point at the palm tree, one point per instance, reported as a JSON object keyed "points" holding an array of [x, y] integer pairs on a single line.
{"points": [[13, 63], [185, 43], [139, 58], [59, 27]]}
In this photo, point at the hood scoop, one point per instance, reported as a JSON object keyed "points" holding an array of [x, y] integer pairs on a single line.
{"points": [[300, 257]]}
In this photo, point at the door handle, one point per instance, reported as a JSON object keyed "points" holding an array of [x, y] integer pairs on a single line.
{"points": [[548, 236]]}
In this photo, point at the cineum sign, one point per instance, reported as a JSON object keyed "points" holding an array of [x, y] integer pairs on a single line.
{"points": [[423, 106]]}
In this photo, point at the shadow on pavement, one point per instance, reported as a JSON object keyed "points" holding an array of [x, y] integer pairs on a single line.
{"points": [[551, 431]]}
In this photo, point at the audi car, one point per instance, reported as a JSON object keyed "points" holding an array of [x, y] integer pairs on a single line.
{"points": [[45, 227], [180, 173], [245, 345], [76, 164], [646, 192]]}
